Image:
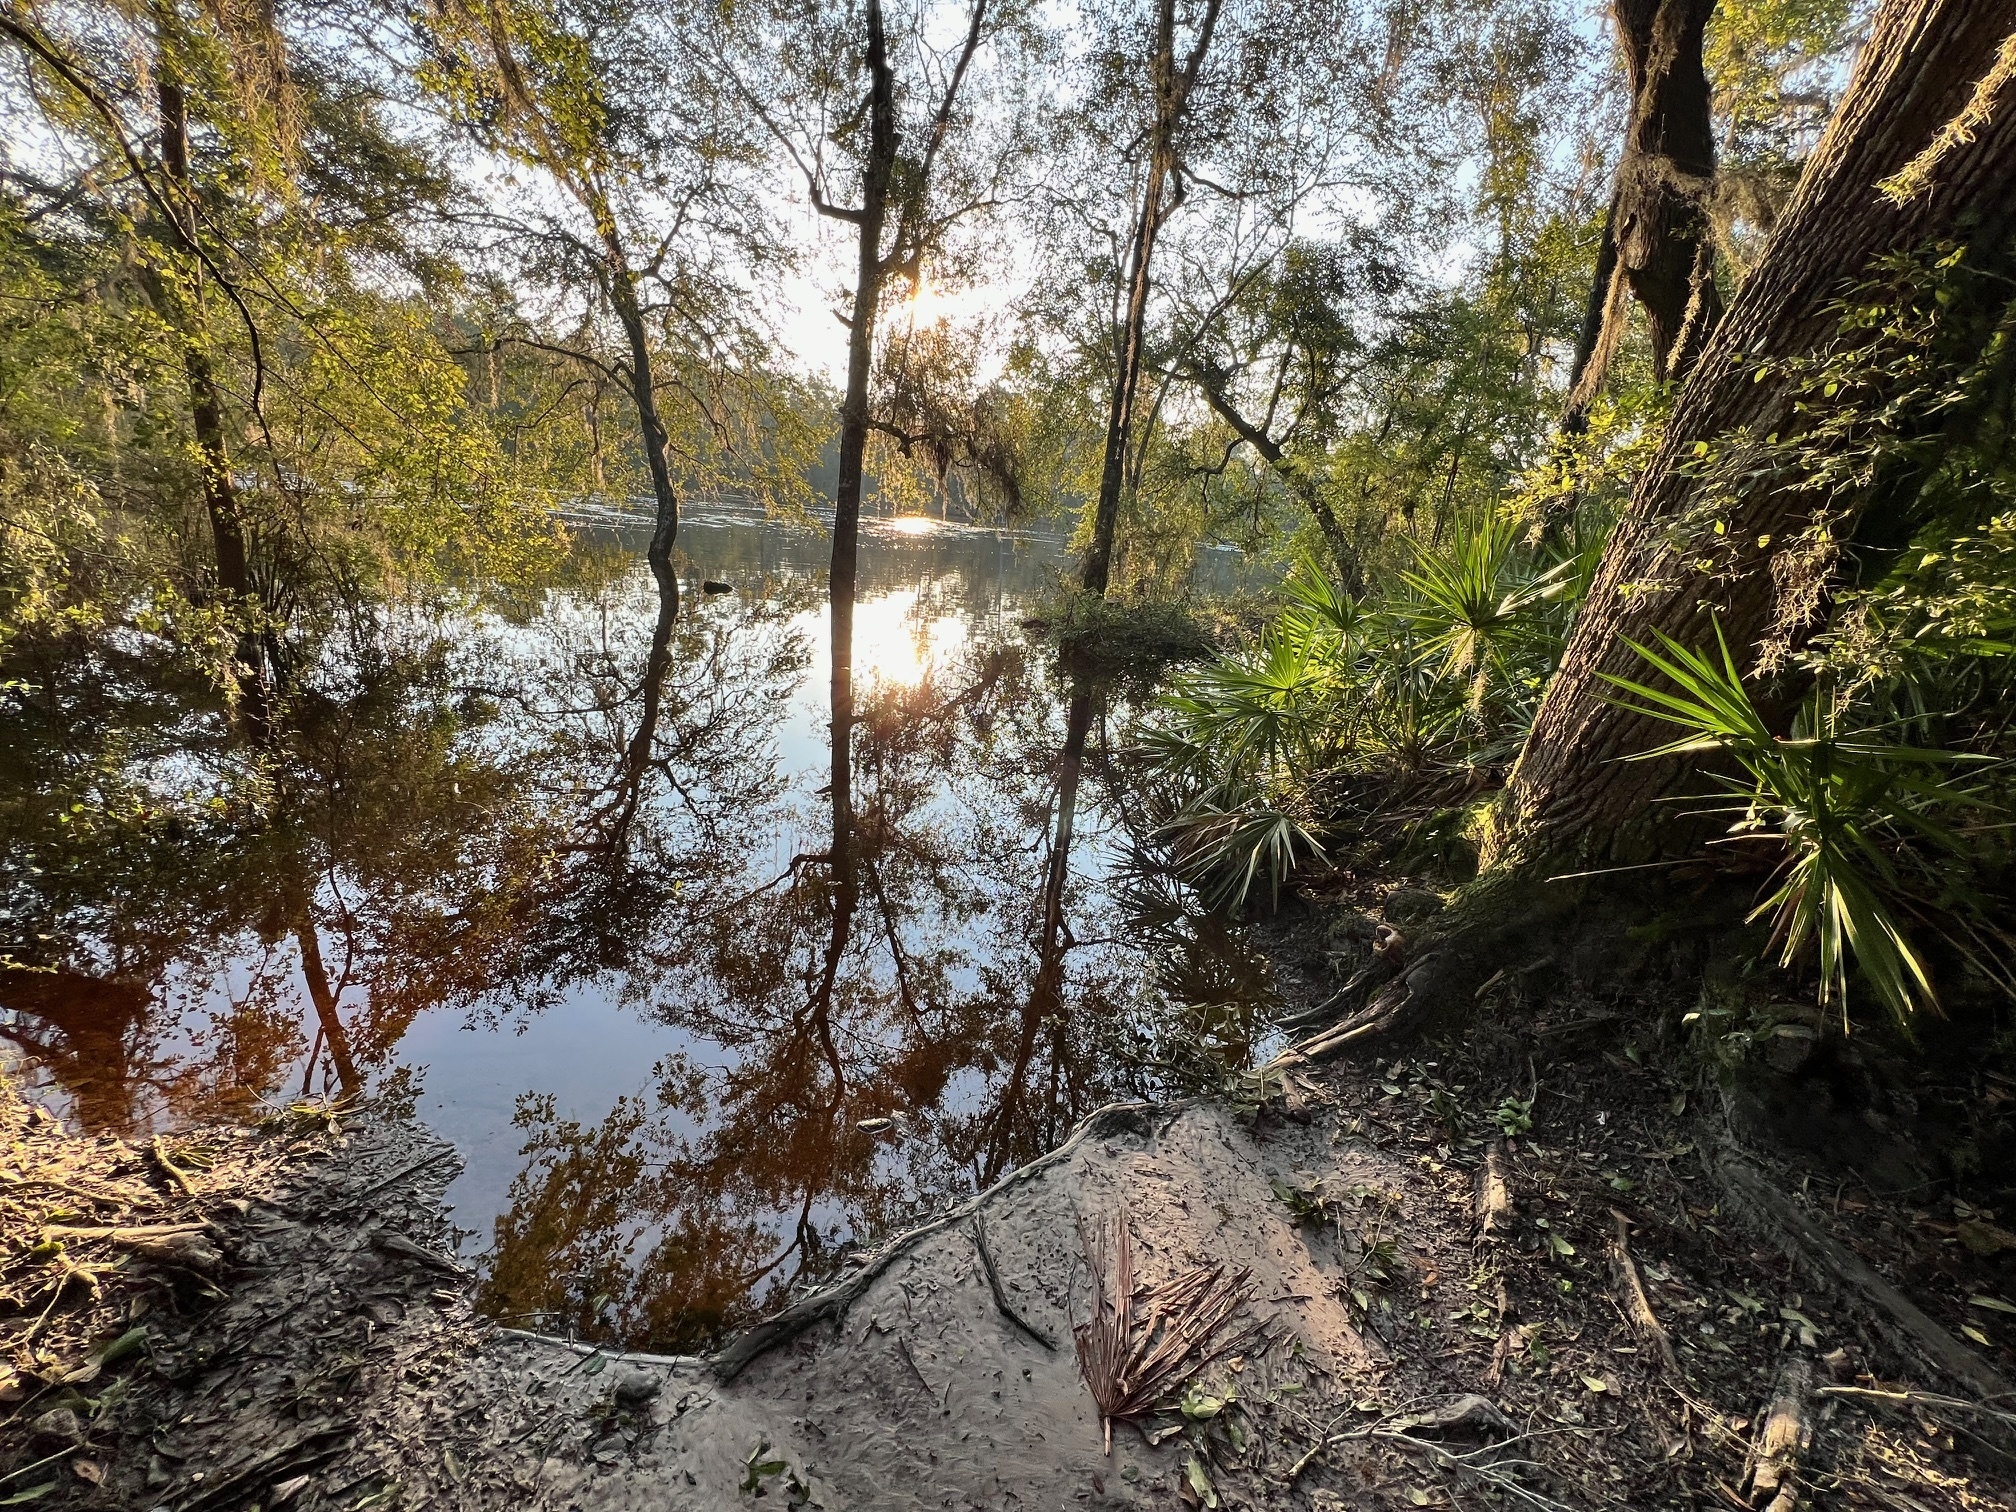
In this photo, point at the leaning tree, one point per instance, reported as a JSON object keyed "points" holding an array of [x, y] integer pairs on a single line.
{"points": [[1922, 151], [1720, 535]]}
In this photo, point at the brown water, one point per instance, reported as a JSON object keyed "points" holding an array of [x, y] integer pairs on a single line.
{"points": [[559, 885]]}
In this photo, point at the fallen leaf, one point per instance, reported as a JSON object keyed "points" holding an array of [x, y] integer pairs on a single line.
{"points": [[1984, 1238], [1993, 1304], [1595, 1383]]}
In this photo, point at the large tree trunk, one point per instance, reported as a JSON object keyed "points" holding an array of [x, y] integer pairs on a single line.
{"points": [[1572, 794], [1657, 242], [870, 270], [1172, 88]]}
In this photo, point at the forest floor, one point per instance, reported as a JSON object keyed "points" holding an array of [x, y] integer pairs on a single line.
{"points": [[1508, 1272]]}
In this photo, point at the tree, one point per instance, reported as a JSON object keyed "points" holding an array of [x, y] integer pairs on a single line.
{"points": [[600, 103], [1171, 84], [893, 110], [1658, 244], [1719, 533]]}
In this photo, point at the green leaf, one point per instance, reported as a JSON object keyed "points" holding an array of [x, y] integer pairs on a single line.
{"points": [[1595, 1383], [124, 1345], [33, 1493], [1993, 1304], [1193, 1471]]}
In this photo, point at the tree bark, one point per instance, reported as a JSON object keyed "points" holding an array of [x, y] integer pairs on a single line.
{"points": [[1172, 88], [1926, 60], [622, 286], [1657, 240], [181, 298]]}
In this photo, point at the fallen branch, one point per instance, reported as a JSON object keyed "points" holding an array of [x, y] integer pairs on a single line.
{"points": [[1783, 1436], [158, 1148], [1001, 1293], [1931, 1399], [1485, 1463], [1896, 1317], [1637, 1305], [1494, 1194]]}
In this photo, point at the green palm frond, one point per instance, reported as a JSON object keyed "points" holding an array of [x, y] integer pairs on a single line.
{"points": [[1843, 805]]}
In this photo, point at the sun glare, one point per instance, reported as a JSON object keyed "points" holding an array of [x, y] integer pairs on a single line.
{"points": [[913, 525], [894, 644]]}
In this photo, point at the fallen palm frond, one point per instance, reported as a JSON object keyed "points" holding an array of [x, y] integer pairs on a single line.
{"points": [[1185, 1324]]}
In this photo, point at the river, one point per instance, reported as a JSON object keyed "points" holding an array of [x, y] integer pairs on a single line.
{"points": [[557, 874]]}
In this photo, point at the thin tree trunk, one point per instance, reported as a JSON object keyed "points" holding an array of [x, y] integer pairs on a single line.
{"points": [[1046, 991], [1926, 61], [181, 295], [1172, 96], [644, 395], [323, 996], [841, 578], [637, 754]]}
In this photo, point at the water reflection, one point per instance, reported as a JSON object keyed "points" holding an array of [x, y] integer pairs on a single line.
{"points": [[732, 1003]]}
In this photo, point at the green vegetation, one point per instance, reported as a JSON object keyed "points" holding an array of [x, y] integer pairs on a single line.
{"points": [[310, 321]]}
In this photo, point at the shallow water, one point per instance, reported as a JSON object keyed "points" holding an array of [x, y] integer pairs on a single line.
{"points": [[562, 888]]}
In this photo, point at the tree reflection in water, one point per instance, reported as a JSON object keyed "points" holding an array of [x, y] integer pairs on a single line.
{"points": [[481, 807]]}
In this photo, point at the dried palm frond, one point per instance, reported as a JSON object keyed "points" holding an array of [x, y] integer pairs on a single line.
{"points": [[1185, 1324]]}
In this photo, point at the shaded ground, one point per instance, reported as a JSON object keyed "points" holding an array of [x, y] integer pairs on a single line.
{"points": [[329, 1358]]}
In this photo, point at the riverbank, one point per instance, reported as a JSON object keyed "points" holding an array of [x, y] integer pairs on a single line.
{"points": [[1566, 1315]]}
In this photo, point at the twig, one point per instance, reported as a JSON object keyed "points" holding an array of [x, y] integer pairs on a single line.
{"points": [[1637, 1305], [1000, 1293], [158, 1148], [59, 1454], [1920, 1399], [909, 1359]]}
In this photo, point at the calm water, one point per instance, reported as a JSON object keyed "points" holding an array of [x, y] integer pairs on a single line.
{"points": [[561, 886]]}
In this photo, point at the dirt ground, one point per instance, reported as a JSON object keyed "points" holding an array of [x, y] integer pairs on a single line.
{"points": [[1469, 1267]]}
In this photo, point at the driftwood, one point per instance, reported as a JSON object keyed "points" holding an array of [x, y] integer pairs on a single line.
{"points": [[1784, 1435], [833, 1302], [1894, 1316], [1637, 1304]]}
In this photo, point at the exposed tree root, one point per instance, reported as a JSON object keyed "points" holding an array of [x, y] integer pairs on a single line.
{"points": [[1897, 1319], [1488, 930]]}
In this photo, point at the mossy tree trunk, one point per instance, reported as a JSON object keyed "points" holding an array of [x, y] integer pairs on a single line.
{"points": [[1931, 101], [1658, 244]]}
